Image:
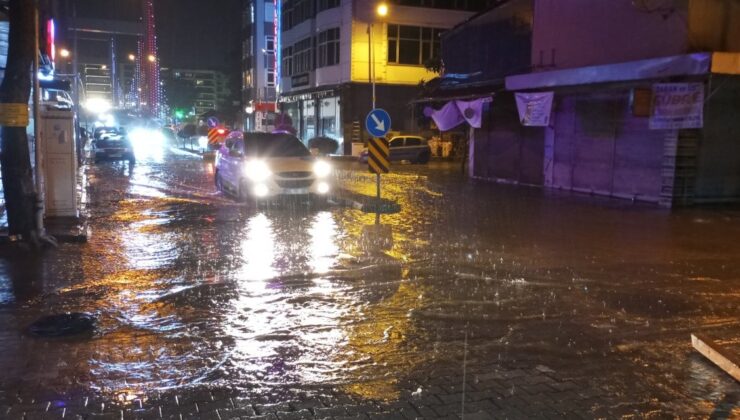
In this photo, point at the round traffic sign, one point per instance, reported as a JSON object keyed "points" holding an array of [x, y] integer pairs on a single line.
{"points": [[378, 122]]}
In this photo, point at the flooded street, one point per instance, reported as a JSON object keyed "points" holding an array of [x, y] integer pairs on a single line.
{"points": [[538, 302]]}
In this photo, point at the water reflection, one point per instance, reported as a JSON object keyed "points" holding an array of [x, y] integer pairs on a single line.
{"points": [[324, 248], [258, 251]]}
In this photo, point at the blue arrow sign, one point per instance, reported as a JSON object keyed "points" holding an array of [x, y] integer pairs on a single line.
{"points": [[378, 122], [213, 122]]}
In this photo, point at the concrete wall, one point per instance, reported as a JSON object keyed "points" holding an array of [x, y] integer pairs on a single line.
{"points": [[575, 33], [718, 155]]}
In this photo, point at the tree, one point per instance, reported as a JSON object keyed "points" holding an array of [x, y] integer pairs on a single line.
{"points": [[435, 65], [18, 185]]}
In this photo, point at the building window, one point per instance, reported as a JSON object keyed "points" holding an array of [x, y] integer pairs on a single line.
{"points": [[270, 44], [327, 4], [328, 48], [296, 12], [287, 61], [412, 45], [270, 78], [303, 56]]}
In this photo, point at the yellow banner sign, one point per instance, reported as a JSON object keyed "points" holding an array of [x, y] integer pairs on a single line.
{"points": [[14, 115]]}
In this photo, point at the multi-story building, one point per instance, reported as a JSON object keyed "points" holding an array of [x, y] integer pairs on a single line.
{"points": [[331, 51], [259, 64], [96, 78], [210, 87]]}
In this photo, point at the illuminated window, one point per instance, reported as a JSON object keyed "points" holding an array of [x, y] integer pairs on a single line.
{"points": [[412, 45], [328, 48]]}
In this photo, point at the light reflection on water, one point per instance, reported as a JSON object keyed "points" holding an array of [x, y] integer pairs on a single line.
{"points": [[193, 292]]}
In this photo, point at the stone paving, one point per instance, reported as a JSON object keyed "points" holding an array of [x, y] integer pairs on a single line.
{"points": [[521, 393]]}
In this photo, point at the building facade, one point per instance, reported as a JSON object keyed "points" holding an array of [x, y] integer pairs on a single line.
{"points": [[605, 70], [331, 51], [211, 87], [259, 64]]}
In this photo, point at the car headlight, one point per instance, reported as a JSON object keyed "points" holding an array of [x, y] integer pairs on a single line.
{"points": [[257, 170], [321, 169]]}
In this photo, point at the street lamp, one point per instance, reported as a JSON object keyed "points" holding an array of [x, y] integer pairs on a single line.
{"points": [[131, 57], [151, 58], [381, 11], [64, 53]]}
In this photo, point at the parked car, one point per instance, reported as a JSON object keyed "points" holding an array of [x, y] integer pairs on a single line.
{"points": [[414, 149], [323, 146], [257, 166], [110, 143]]}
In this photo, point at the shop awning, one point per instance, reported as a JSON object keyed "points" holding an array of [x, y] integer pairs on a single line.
{"points": [[454, 87], [697, 64]]}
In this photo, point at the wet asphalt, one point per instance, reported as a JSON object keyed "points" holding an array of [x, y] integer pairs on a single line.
{"points": [[193, 290]]}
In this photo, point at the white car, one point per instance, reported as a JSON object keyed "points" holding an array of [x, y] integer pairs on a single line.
{"points": [[260, 166]]}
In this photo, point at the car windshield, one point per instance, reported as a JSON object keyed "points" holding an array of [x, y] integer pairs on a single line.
{"points": [[101, 132], [274, 145]]}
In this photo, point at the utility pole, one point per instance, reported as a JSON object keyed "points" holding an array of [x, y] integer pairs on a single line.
{"points": [[15, 160]]}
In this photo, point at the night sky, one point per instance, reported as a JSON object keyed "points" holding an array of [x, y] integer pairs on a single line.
{"points": [[202, 34], [199, 34]]}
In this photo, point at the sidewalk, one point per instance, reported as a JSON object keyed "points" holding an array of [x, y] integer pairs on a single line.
{"points": [[64, 229]]}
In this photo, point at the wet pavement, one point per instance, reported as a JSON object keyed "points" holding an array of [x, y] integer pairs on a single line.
{"points": [[480, 300]]}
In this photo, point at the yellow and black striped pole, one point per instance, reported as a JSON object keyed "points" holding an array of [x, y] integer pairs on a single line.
{"points": [[377, 160]]}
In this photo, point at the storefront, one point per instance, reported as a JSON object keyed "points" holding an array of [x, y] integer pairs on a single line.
{"points": [[315, 114]]}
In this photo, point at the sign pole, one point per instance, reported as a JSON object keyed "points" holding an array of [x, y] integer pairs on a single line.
{"points": [[378, 122], [377, 184], [38, 157]]}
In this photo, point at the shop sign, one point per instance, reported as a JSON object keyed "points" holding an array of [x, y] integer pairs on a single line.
{"points": [[534, 108], [299, 80], [265, 107], [677, 106]]}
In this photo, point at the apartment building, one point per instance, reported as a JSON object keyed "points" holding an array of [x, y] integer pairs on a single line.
{"points": [[331, 51], [259, 64]]}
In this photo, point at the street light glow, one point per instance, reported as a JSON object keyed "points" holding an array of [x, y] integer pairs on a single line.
{"points": [[64, 53], [131, 57], [382, 10], [152, 58]]}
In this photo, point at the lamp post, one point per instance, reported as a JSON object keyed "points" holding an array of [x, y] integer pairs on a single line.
{"points": [[381, 11]]}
